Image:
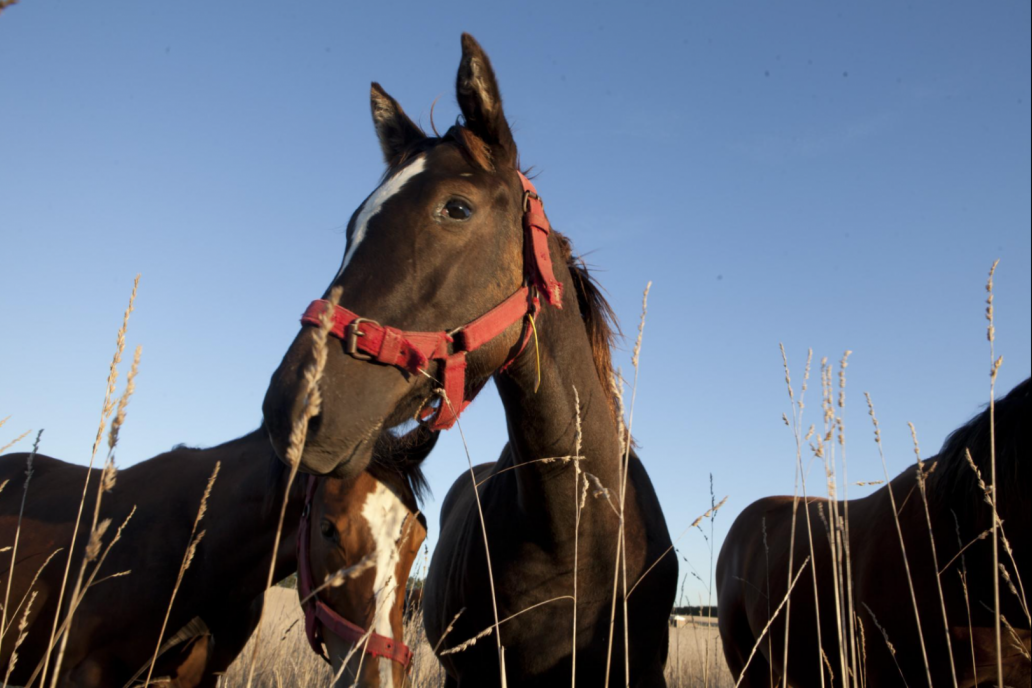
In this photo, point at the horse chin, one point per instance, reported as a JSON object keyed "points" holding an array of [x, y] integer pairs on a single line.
{"points": [[330, 461], [363, 666]]}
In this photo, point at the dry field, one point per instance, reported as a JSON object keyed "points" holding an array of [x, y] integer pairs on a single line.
{"points": [[284, 658]]}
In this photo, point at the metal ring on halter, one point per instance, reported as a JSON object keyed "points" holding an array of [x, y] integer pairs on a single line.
{"points": [[527, 195], [351, 343]]}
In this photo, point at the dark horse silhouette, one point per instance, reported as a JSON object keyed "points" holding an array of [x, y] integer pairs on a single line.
{"points": [[443, 241], [881, 593], [115, 629]]}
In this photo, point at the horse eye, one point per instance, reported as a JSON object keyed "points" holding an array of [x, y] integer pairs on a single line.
{"points": [[457, 210], [327, 530]]}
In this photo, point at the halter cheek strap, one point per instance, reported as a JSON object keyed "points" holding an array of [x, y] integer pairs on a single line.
{"points": [[368, 340], [319, 613]]}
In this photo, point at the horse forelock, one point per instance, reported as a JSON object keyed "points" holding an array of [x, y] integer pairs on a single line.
{"points": [[957, 481]]}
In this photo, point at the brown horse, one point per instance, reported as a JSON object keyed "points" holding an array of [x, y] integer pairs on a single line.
{"points": [[372, 528], [116, 627], [881, 594], [454, 234]]}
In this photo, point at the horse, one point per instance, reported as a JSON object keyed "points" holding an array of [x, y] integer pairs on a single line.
{"points": [[752, 574], [115, 629], [371, 529], [454, 247]]}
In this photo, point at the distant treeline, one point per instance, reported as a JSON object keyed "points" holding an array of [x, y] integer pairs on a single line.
{"points": [[706, 610]]}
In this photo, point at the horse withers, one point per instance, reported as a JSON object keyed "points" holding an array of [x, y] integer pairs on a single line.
{"points": [[452, 277], [752, 574]]}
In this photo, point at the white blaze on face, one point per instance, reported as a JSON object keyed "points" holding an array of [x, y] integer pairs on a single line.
{"points": [[373, 204], [385, 515]]}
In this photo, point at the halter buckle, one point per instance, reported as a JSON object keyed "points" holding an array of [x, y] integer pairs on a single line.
{"points": [[353, 333], [527, 196]]}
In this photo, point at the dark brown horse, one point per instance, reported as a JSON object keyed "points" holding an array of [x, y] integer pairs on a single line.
{"points": [[881, 595], [454, 235], [116, 627]]}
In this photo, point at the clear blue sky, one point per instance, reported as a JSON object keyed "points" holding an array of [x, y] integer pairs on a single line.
{"points": [[824, 175]]}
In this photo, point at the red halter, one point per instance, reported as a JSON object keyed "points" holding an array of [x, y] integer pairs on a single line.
{"points": [[317, 611], [368, 340]]}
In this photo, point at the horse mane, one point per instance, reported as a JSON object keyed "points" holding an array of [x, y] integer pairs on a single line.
{"points": [[600, 320], [398, 463], [958, 483]]}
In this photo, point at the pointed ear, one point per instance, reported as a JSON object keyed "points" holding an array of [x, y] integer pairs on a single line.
{"points": [[393, 127], [481, 102]]}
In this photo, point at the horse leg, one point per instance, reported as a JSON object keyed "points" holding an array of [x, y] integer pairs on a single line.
{"points": [[652, 678], [738, 640]]}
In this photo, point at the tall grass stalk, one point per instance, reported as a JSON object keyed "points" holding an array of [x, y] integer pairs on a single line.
{"points": [[577, 504], [902, 545], [759, 640], [922, 476], [106, 410], [191, 548], [296, 444], [994, 370], [97, 527], [627, 442], [15, 441], [796, 426], [487, 548], [851, 616], [17, 533]]}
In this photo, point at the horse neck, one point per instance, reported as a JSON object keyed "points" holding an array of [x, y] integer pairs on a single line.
{"points": [[543, 424], [243, 514]]}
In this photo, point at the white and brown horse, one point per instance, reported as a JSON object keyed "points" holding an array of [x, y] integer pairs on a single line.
{"points": [[362, 534], [452, 276]]}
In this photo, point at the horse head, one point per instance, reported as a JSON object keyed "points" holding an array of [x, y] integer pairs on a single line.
{"points": [[435, 282], [358, 541]]}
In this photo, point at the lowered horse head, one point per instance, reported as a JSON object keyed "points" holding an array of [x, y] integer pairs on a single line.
{"points": [[364, 533], [436, 283]]}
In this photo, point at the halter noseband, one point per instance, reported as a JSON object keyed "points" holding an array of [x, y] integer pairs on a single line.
{"points": [[317, 611], [368, 340]]}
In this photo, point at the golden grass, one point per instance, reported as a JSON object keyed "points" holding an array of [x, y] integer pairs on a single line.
{"points": [[283, 657]]}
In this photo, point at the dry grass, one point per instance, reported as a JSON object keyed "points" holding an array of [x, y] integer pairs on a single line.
{"points": [[284, 658]]}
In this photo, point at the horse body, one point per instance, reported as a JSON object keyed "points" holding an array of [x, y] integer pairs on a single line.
{"points": [[115, 629], [532, 556], [752, 578], [455, 235]]}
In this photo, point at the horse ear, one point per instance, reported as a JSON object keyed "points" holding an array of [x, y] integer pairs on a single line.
{"points": [[480, 100], [393, 127]]}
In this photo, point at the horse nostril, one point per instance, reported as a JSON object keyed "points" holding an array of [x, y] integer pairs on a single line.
{"points": [[314, 424]]}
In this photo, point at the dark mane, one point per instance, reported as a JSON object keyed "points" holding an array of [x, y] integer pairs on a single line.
{"points": [[956, 481], [599, 319], [398, 460]]}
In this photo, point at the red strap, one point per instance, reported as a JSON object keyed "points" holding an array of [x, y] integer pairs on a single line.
{"points": [[536, 253], [318, 612], [412, 351]]}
